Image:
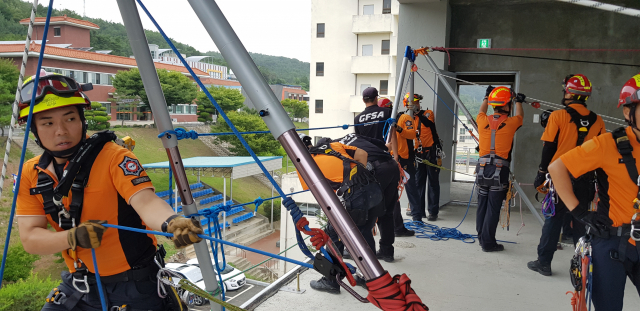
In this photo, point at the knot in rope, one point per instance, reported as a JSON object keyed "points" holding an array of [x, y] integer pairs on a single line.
{"points": [[180, 134], [293, 209], [318, 237], [257, 202], [395, 293]]}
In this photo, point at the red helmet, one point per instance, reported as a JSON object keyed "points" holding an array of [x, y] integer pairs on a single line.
{"points": [[577, 85], [500, 96], [384, 102], [630, 93]]}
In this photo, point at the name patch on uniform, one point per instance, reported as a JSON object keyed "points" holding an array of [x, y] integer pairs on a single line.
{"points": [[130, 166], [140, 180]]}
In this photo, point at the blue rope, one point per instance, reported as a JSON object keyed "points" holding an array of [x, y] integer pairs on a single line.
{"points": [[304, 264], [181, 133], [548, 204], [445, 104], [214, 252], [95, 268], [221, 112], [26, 139]]}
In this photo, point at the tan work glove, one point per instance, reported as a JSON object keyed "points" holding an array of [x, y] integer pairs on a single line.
{"points": [[86, 235], [185, 230]]}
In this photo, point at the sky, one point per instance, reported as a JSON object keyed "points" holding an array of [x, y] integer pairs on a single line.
{"points": [[272, 27]]}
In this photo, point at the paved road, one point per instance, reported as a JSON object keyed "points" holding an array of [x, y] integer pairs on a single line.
{"points": [[237, 297]]}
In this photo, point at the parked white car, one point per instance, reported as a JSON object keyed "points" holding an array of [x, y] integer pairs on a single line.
{"points": [[234, 283]]}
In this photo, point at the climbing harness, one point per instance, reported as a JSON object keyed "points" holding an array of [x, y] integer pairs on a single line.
{"points": [[496, 122], [581, 271], [583, 123], [359, 190]]}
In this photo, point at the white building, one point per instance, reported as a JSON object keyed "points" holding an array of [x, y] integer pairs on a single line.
{"points": [[353, 46]]}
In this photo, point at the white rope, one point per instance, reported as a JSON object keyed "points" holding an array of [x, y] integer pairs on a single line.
{"points": [[605, 6], [605, 118], [14, 115]]}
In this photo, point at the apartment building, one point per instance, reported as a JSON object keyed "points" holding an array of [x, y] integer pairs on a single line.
{"points": [[353, 46]]}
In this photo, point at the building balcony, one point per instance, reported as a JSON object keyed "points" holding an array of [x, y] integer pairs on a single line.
{"points": [[371, 64], [370, 24]]}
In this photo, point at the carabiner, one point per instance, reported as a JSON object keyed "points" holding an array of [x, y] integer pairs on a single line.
{"points": [[635, 230], [78, 281]]}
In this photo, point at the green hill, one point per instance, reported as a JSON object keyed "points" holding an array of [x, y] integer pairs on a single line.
{"points": [[113, 36]]}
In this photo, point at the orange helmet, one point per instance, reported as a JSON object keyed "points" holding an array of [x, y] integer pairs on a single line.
{"points": [[384, 102], [500, 96], [416, 98], [577, 85], [630, 93]]}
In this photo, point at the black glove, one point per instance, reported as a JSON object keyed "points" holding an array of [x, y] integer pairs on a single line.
{"points": [[597, 223], [520, 98], [540, 179], [488, 92]]}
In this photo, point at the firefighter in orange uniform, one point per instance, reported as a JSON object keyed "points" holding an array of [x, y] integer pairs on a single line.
{"points": [[62, 188], [566, 129], [406, 133], [496, 142], [615, 226]]}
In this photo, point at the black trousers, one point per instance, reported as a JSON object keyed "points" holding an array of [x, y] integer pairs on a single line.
{"points": [[137, 295], [411, 188], [388, 175], [430, 193], [398, 221], [610, 275], [551, 233], [490, 201], [365, 230], [585, 191]]}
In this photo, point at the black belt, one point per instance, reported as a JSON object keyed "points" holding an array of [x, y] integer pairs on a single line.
{"points": [[142, 274]]}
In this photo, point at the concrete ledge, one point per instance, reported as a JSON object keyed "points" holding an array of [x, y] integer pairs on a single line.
{"points": [[273, 288]]}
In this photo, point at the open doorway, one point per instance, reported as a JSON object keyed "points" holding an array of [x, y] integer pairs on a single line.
{"points": [[465, 152]]}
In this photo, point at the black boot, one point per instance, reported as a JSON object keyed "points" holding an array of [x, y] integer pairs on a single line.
{"points": [[384, 256], [538, 267], [404, 232], [326, 285]]}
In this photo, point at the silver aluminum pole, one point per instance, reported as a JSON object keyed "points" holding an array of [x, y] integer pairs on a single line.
{"points": [[403, 70], [15, 114], [453, 94], [283, 130], [151, 82]]}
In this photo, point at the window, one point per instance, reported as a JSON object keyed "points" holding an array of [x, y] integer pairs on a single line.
{"points": [[320, 30], [72, 74], [363, 87], [367, 9], [85, 77], [110, 79], [386, 6], [108, 106], [385, 47], [180, 109], [319, 105], [97, 78], [463, 131], [384, 87], [367, 50], [194, 109], [319, 69], [170, 109], [153, 54], [56, 31]]}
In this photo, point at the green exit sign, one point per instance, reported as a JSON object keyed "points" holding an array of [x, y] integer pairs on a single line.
{"points": [[484, 43]]}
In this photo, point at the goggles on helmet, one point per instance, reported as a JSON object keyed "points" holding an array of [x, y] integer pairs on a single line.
{"points": [[57, 84]]}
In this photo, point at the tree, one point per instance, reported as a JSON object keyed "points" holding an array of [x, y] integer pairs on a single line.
{"points": [[228, 99], [97, 118], [296, 108], [8, 81], [262, 144], [126, 104], [177, 88]]}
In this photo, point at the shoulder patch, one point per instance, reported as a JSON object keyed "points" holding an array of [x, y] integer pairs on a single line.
{"points": [[130, 166], [140, 180]]}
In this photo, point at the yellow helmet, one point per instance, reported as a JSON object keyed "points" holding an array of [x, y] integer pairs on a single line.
{"points": [[53, 91]]}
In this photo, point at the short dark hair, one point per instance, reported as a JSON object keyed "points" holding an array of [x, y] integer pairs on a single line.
{"points": [[369, 99]]}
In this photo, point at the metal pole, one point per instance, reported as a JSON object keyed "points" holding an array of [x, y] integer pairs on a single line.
{"points": [[403, 70], [224, 203], [410, 105], [140, 47], [453, 94], [533, 210], [231, 187], [468, 158], [283, 130], [15, 114]]}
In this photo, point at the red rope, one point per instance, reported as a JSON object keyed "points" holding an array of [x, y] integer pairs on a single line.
{"points": [[394, 294], [443, 49]]}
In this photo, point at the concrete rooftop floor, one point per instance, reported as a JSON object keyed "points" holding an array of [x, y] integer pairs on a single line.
{"points": [[451, 275]]}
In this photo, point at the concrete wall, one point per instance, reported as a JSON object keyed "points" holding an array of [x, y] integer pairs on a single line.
{"points": [[547, 25]]}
